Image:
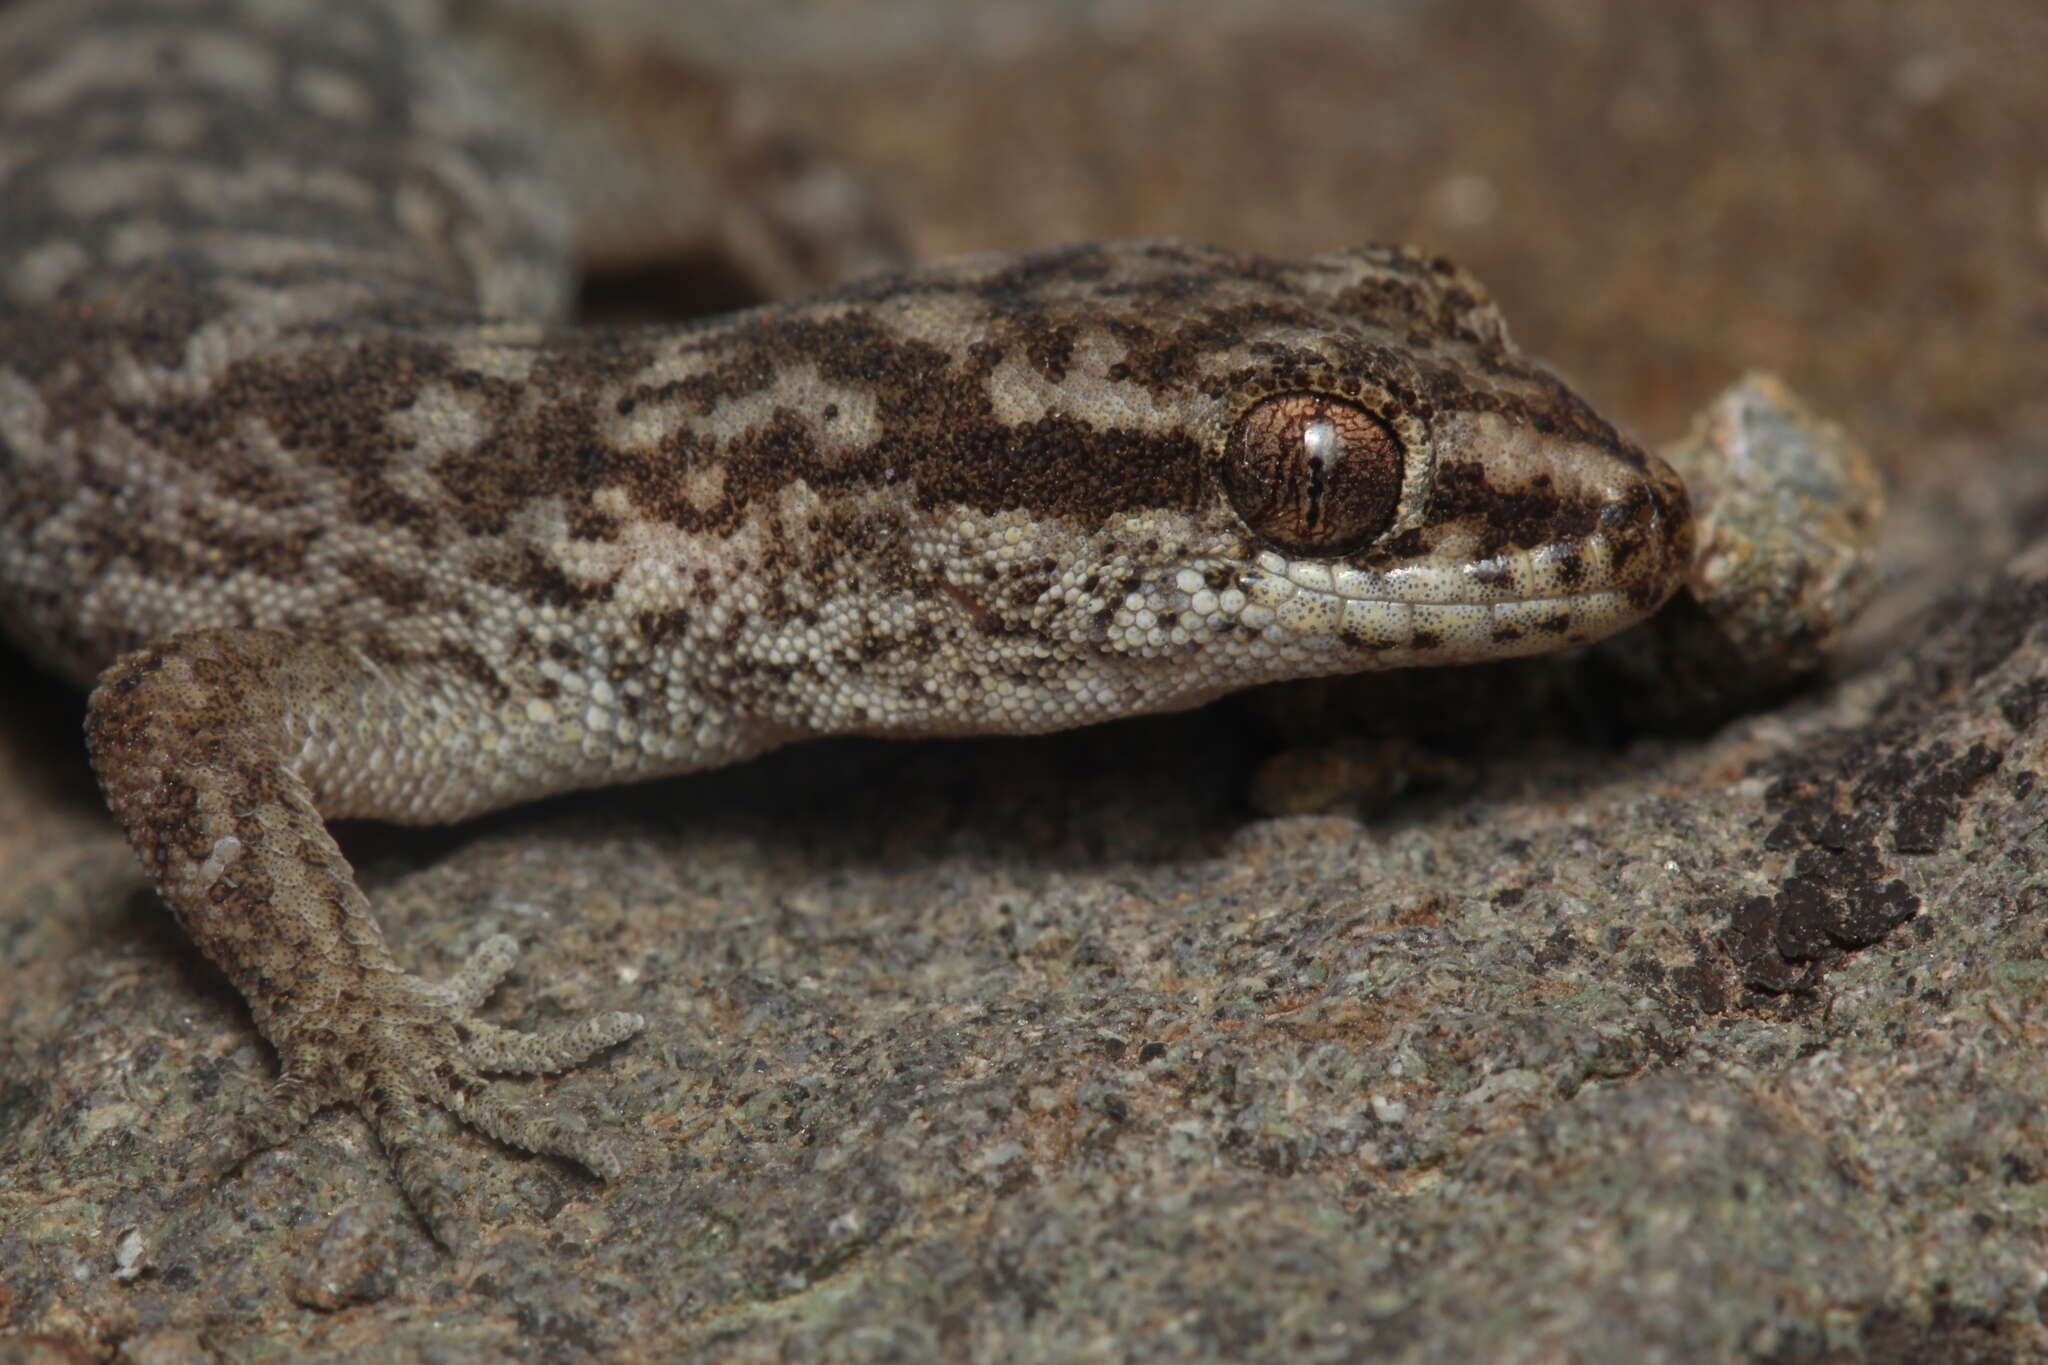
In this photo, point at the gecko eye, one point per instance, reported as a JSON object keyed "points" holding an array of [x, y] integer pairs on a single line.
{"points": [[1313, 475]]}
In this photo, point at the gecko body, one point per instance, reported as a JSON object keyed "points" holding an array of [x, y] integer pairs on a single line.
{"points": [[303, 466]]}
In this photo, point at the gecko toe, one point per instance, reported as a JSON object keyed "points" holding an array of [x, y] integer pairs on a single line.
{"points": [[551, 1131], [403, 1044], [486, 967], [401, 1129], [545, 1051], [269, 1122]]}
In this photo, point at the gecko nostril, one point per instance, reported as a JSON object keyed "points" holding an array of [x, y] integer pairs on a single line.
{"points": [[1631, 505]]}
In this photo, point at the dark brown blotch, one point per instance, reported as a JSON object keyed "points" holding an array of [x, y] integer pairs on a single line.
{"points": [[1527, 517]]}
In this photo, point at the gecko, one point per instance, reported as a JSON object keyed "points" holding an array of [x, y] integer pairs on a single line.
{"points": [[307, 472]]}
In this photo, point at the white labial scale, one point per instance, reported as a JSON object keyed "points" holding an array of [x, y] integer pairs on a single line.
{"points": [[1425, 584], [1380, 624], [1465, 630], [1310, 613], [1533, 616], [1317, 578], [1357, 585]]}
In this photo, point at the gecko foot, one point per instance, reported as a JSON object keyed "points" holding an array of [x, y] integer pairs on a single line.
{"points": [[398, 1044]]}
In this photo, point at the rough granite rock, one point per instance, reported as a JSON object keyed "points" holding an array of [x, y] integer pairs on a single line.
{"points": [[1622, 1045]]}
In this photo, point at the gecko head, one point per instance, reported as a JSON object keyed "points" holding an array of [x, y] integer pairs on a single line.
{"points": [[1378, 533], [1346, 465]]}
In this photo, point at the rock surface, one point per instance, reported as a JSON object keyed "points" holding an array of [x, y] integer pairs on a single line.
{"points": [[1621, 1044]]}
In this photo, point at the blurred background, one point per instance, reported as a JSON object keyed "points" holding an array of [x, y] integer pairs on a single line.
{"points": [[1660, 195]]}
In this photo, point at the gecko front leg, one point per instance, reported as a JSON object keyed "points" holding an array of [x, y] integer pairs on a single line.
{"points": [[218, 751]]}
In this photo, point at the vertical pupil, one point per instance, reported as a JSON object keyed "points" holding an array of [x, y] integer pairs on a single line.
{"points": [[1313, 474], [1319, 445], [1319, 441]]}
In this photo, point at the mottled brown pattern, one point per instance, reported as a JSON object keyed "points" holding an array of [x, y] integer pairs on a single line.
{"points": [[299, 459]]}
